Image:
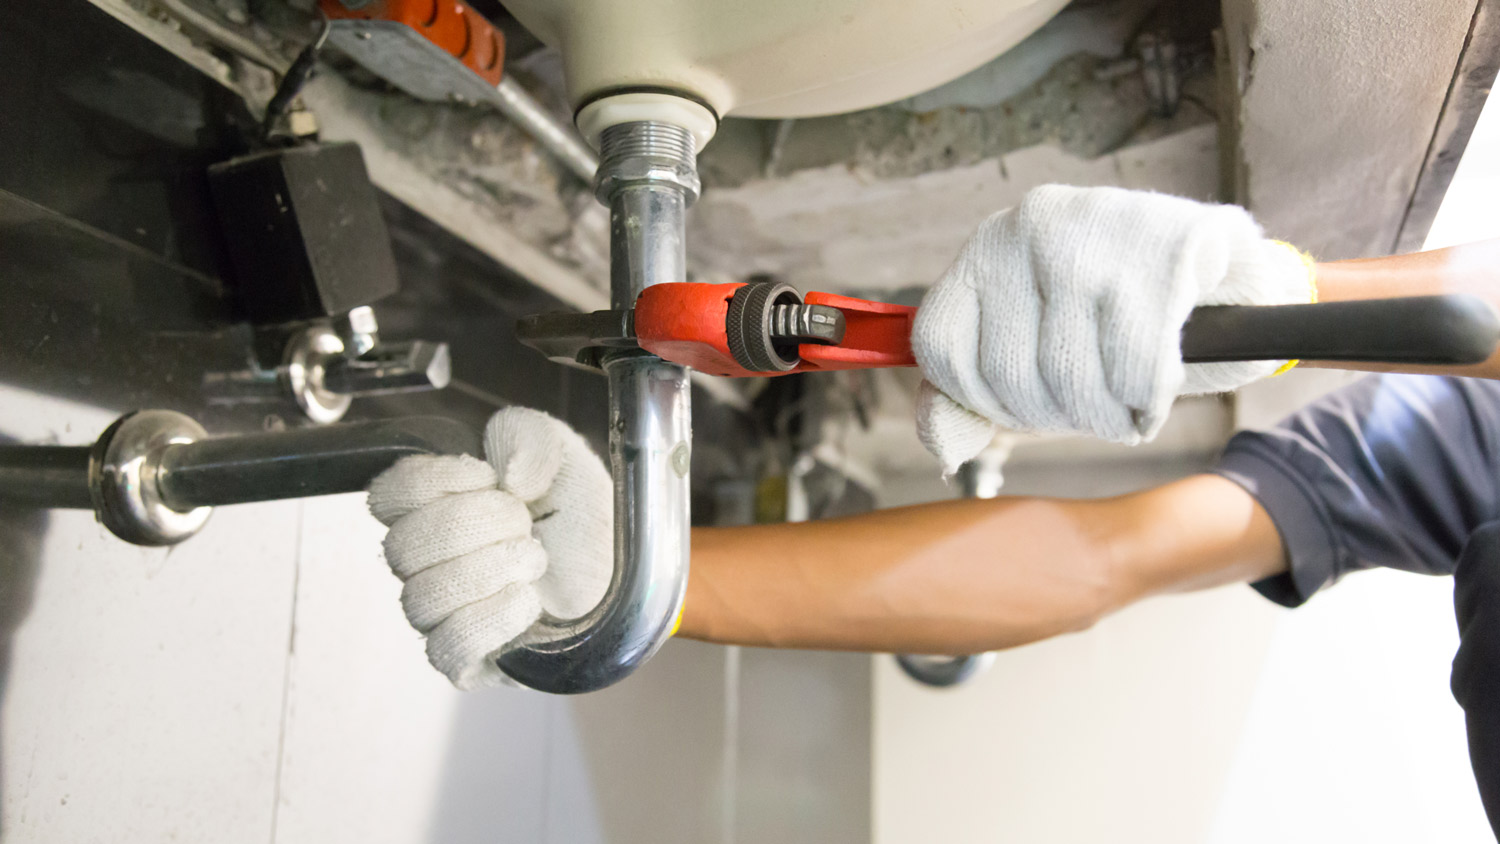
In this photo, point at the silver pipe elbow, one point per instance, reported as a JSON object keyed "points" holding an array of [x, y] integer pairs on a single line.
{"points": [[648, 178]]}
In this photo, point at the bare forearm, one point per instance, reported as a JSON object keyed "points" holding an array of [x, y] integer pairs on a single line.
{"points": [[958, 575], [966, 576], [1472, 269]]}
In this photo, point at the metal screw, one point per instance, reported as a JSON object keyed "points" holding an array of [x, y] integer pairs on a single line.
{"points": [[359, 331]]}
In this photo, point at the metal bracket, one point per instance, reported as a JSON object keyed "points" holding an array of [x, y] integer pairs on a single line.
{"points": [[401, 56], [319, 372]]}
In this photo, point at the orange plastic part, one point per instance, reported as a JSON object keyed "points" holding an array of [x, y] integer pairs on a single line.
{"points": [[455, 27], [685, 323]]}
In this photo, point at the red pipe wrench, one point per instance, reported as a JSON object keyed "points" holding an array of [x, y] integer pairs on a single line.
{"points": [[767, 328]]}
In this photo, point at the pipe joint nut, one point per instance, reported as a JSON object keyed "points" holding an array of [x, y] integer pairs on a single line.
{"points": [[647, 154], [124, 475]]}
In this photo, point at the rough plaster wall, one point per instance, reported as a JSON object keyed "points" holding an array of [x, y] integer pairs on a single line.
{"points": [[471, 194], [1099, 29], [1338, 103], [833, 228]]}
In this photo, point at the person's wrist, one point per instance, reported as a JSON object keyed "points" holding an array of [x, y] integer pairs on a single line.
{"points": [[1292, 279], [1301, 277]]}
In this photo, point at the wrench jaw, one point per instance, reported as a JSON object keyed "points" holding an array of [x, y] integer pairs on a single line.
{"points": [[578, 340], [876, 336], [761, 329]]}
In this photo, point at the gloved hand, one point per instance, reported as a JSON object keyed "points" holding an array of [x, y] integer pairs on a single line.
{"points": [[485, 547], [1063, 314]]}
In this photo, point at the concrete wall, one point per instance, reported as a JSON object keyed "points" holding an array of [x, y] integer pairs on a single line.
{"points": [[1338, 102], [835, 229]]}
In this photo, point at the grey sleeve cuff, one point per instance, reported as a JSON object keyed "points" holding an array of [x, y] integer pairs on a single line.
{"points": [[1299, 515]]}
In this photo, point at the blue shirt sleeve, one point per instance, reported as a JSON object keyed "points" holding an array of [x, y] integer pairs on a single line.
{"points": [[1393, 470]]}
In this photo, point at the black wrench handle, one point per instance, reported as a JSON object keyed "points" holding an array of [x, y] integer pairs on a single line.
{"points": [[1447, 330]]}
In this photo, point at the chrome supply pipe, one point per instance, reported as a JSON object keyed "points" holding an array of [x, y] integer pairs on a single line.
{"points": [[304, 462], [648, 178], [943, 671], [154, 476], [45, 476], [558, 138]]}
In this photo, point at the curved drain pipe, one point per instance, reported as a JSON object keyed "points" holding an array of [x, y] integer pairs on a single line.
{"points": [[648, 177]]}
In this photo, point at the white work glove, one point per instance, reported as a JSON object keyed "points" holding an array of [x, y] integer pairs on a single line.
{"points": [[485, 547], [1064, 314]]}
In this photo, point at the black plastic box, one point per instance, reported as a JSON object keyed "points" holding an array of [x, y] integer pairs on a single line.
{"points": [[304, 232]]}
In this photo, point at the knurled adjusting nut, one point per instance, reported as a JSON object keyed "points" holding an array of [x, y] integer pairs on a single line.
{"points": [[647, 170], [747, 327]]}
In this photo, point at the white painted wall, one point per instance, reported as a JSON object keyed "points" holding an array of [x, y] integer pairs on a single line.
{"points": [[1122, 734], [104, 634], [259, 683]]}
